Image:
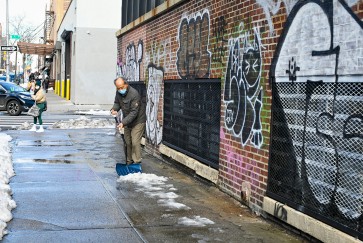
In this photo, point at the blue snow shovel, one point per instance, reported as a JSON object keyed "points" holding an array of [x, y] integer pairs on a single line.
{"points": [[125, 169]]}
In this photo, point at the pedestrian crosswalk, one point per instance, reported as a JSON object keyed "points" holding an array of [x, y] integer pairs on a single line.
{"points": [[14, 122]]}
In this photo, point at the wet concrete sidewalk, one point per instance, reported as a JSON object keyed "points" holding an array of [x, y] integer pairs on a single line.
{"points": [[66, 190]]}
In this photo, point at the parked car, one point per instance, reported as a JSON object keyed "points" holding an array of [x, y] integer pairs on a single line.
{"points": [[3, 75], [14, 99]]}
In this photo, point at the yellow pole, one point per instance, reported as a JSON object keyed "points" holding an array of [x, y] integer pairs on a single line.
{"points": [[55, 86], [68, 95], [62, 92], [58, 87]]}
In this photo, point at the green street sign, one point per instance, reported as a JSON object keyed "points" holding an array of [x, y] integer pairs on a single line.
{"points": [[15, 37]]}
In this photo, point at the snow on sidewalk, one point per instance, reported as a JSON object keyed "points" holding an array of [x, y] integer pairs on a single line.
{"points": [[94, 112], [6, 172], [156, 187], [84, 122]]}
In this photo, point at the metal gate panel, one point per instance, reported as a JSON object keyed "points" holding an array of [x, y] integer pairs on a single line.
{"points": [[316, 157], [192, 118]]}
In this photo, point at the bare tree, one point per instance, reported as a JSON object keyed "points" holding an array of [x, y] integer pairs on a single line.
{"points": [[28, 33]]}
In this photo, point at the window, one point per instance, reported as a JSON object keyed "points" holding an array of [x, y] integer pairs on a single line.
{"points": [[133, 9]]}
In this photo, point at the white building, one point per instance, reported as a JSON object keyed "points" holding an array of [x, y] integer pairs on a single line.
{"points": [[86, 50]]}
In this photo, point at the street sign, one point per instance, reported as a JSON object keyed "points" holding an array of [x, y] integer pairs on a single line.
{"points": [[15, 37], [9, 48]]}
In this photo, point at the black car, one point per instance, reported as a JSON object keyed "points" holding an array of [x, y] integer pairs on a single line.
{"points": [[14, 99]]}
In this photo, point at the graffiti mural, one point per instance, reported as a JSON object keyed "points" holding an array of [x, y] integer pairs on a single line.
{"points": [[272, 7], [159, 54], [193, 56], [154, 129], [318, 112], [242, 91], [130, 69], [220, 31]]}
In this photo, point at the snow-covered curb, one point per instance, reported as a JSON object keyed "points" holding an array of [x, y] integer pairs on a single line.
{"points": [[6, 172], [94, 112], [80, 123], [84, 122]]}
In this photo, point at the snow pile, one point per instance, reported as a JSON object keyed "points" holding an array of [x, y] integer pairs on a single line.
{"points": [[196, 221], [95, 112], [6, 172], [84, 122], [25, 126], [155, 187]]}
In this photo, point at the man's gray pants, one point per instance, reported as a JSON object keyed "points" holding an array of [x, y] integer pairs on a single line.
{"points": [[133, 137]]}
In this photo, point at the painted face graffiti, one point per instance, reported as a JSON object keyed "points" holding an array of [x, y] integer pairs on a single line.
{"points": [[242, 92]]}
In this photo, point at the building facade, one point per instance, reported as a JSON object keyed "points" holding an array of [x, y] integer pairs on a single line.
{"points": [[263, 97], [85, 50]]}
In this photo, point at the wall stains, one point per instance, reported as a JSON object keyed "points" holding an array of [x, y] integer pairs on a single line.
{"points": [[219, 31]]}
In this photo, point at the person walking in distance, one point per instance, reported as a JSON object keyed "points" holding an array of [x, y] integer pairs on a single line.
{"points": [[40, 99], [134, 118]]}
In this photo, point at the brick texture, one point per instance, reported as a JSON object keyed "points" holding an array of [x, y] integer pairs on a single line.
{"points": [[207, 31]]}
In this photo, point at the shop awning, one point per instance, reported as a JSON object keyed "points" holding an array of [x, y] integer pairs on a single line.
{"points": [[36, 49]]}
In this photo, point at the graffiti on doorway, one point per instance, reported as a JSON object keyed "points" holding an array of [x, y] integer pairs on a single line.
{"points": [[154, 129]]}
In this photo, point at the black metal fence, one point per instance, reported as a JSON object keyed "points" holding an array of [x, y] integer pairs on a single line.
{"points": [[192, 118], [316, 160]]}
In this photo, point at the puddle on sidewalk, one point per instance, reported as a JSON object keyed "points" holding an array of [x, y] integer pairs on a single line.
{"points": [[46, 161], [38, 143]]}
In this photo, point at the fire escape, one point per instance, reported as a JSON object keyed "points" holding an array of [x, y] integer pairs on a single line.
{"points": [[48, 27]]}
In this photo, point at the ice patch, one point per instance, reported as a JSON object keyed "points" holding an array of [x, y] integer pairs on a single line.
{"points": [[196, 221], [6, 172], [155, 187]]}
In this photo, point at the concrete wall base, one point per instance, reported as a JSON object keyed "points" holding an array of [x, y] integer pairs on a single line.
{"points": [[199, 168], [305, 223]]}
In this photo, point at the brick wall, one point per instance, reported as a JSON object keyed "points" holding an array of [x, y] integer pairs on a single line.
{"points": [[236, 42]]}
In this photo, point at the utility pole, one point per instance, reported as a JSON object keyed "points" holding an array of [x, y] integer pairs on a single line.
{"points": [[7, 42]]}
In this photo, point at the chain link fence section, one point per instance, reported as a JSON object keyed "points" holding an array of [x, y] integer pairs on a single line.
{"points": [[316, 162], [192, 118]]}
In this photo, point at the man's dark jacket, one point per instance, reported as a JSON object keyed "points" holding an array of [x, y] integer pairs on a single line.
{"points": [[133, 110]]}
